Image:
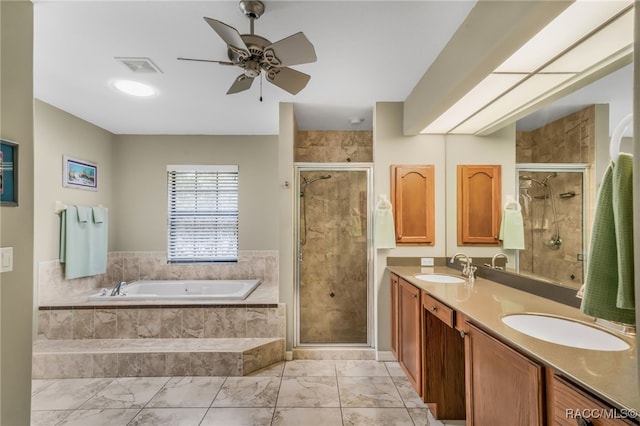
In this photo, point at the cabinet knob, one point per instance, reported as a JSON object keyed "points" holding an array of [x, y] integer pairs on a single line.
{"points": [[415, 296], [463, 334], [433, 308], [583, 422]]}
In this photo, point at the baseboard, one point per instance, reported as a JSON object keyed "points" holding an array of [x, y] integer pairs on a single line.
{"points": [[288, 356], [385, 356]]}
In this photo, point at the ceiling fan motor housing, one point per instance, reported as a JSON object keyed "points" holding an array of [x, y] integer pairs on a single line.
{"points": [[252, 9]]}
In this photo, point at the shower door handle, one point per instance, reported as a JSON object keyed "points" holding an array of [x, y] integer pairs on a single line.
{"points": [[300, 257]]}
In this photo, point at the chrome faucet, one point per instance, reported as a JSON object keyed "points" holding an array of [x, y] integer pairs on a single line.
{"points": [[467, 269], [495, 257], [118, 289]]}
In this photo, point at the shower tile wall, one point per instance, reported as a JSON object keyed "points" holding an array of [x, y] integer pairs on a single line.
{"points": [[560, 265], [54, 289], [570, 139], [315, 146], [333, 270]]}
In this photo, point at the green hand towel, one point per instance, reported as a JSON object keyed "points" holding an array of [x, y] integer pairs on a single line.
{"points": [[623, 218], [610, 262]]}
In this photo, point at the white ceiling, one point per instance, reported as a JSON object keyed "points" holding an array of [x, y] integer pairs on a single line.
{"points": [[368, 51]]}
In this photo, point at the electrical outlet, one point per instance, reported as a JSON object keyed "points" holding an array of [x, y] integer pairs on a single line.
{"points": [[426, 261]]}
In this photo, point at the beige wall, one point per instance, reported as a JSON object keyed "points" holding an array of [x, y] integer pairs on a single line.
{"points": [[58, 133], [445, 152], [16, 223], [497, 148], [140, 186], [392, 147], [286, 212]]}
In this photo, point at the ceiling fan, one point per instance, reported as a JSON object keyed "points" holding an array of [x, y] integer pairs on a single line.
{"points": [[254, 54]]}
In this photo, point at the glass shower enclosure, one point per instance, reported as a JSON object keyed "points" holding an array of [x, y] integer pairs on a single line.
{"points": [[333, 234]]}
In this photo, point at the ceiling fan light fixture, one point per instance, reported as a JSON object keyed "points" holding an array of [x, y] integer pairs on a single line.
{"points": [[134, 88]]}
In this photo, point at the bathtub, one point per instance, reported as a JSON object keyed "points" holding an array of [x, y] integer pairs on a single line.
{"points": [[203, 290]]}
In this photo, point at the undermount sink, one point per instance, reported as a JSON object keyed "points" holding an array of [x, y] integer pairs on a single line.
{"points": [[565, 332], [439, 278]]}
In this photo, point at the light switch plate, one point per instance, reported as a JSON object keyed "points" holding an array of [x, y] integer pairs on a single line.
{"points": [[6, 259], [426, 261]]}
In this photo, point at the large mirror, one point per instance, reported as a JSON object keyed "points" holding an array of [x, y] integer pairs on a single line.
{"points": [[562, 152]]}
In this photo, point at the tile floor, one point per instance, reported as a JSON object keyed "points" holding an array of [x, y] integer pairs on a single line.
{"points": [[300, 393]]}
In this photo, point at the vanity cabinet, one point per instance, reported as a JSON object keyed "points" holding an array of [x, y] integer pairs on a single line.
{"points": [[412, 196], [409, 342], [479, 204], [442, 360], [405, 329], [570, 406], [394, 314], [503, 386]]}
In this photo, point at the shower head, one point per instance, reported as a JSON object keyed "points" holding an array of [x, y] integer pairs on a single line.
{"points": [[550, 175], [307, 182]]}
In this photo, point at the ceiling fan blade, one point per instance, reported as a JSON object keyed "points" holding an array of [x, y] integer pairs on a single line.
{"points": [[241, 84], [230, 35], [288, 79], [206, 60], [293, 50]]}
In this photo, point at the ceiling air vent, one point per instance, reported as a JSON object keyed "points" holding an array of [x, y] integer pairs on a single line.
{"points": [[139, 65]]}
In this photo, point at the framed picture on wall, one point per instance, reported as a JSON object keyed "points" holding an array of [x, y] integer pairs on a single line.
{"points": [[80, 174], [8, 173]]}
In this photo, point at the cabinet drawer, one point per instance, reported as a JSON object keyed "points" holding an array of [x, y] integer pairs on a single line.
{"points": [[570, 404], [439, 309]]}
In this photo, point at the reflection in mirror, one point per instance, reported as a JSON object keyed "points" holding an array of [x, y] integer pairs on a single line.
{"points": [[557, 199], [552, 200]]}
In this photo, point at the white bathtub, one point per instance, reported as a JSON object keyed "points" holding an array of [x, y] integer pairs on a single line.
{"points": [[181, 290]]}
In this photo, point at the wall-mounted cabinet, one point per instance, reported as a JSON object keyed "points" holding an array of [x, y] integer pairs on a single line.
{"points": [[412, 195], [479, 204]]}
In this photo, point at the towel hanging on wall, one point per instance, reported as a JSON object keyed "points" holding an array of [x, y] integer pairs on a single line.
{"points": [[385, 233], [83, 241], [512, 225], [609, 286]]}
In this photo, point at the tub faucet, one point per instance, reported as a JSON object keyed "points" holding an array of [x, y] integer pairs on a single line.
{"points": [[117, 289], [467, 269], [495, 257]]}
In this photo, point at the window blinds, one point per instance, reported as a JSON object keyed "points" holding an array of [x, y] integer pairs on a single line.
{"points": [[203, 214]]}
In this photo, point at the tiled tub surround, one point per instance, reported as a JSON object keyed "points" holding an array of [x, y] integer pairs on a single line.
{"points": [[55, 290], [98, 339], [170, 340]]}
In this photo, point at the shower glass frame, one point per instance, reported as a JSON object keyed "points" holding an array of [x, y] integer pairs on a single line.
{"points": [[298, 168], [583, 168]]}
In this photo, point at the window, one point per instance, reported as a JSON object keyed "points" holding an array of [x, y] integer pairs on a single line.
{"points": [[203, 213]]}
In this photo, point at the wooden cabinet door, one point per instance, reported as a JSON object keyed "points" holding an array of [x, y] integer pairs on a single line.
{"points": [[479, 204], [412, 196], [504, 388], [442, 361], [394, 315], [409, 345], [572, 406]]}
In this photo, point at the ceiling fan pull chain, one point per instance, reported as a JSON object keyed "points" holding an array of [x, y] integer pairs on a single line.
{"points": [[260, 87]]}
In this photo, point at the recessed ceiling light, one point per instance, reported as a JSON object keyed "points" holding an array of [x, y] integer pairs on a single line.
{"points": [[134, 88]]}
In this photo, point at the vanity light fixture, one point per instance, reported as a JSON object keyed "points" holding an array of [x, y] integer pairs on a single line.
{"points": [[134, 88], [581, 44]]}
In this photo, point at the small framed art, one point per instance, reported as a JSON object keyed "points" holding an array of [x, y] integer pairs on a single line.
{"points": [[80, 174], [8, 173]]}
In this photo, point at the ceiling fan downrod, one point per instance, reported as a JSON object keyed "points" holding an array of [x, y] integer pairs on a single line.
{"points": [[253, 10]]}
